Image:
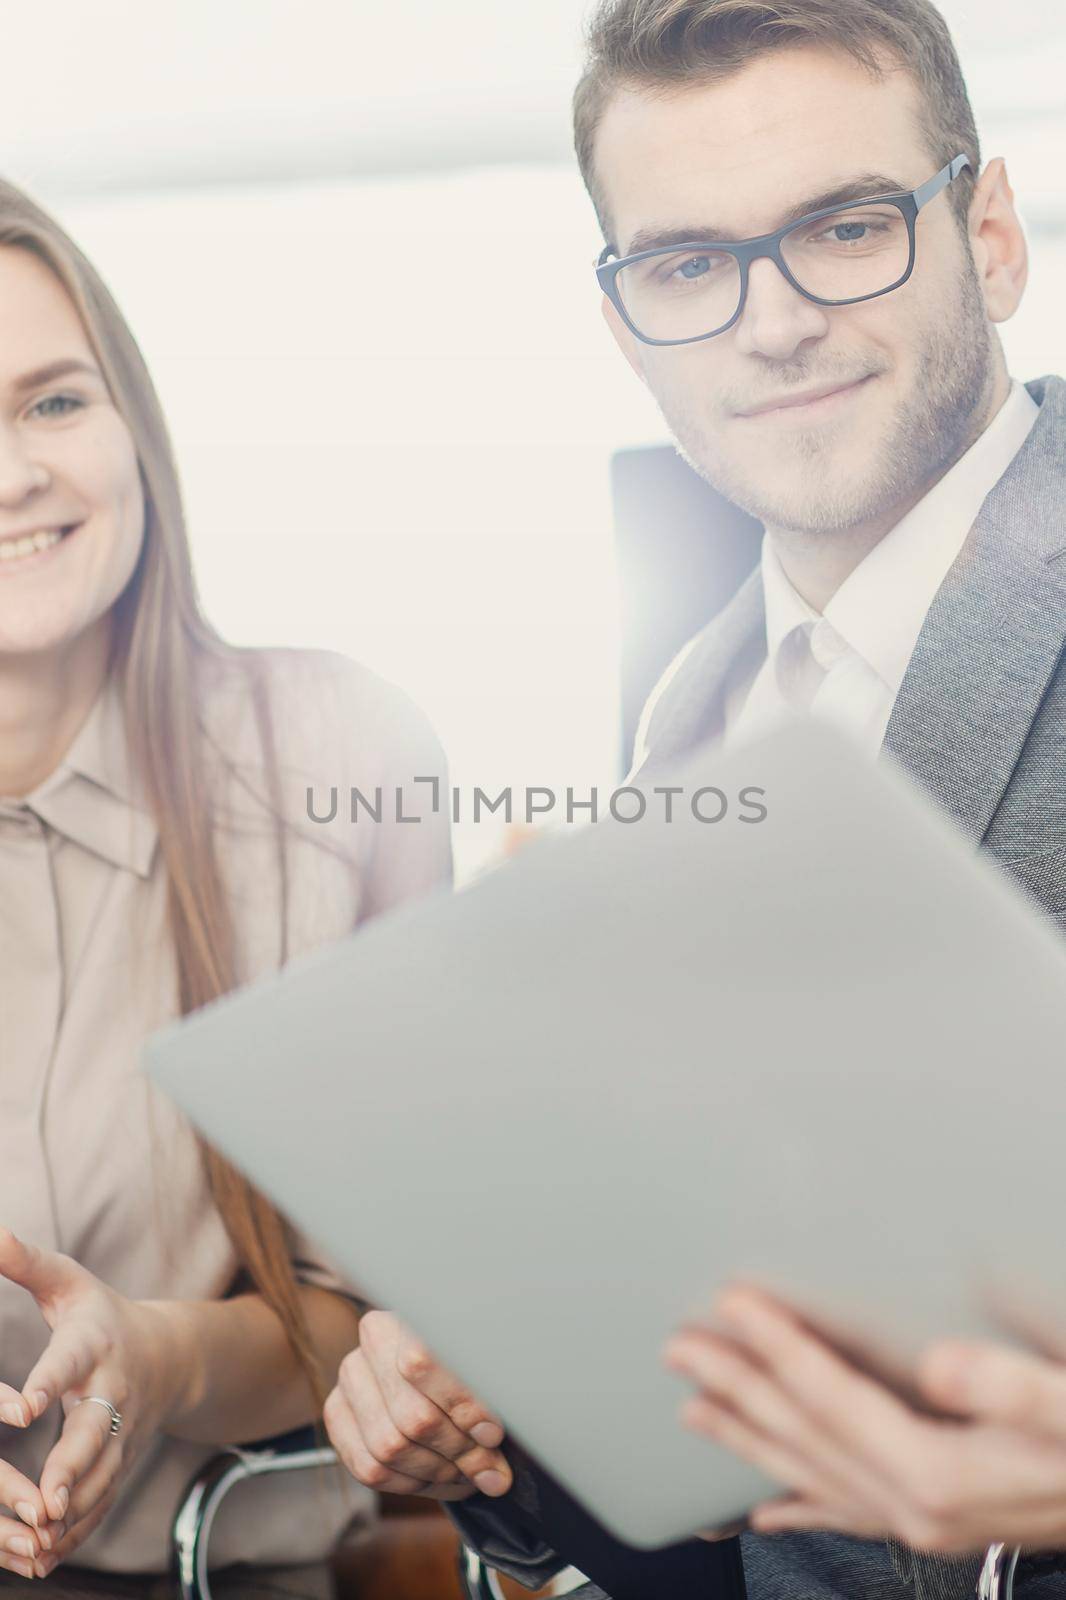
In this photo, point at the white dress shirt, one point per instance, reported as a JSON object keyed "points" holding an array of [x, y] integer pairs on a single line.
{"points": [[847, 663]]}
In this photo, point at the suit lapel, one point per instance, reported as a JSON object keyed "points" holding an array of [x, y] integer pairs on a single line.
{"points": [[993, 636], [691, 707], [986, 654]]}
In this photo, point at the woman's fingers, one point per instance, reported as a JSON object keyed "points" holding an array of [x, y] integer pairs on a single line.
{"points": [[75, 1537], [416, 1368], [346, 1436], [23, 1496], [88, 1491], [82, 1444], [84, 1440], [72, 1354], [23, 1565], [396, 1355], [13, 1407], [396, 1443], [19, 1540], [427, 1409], [413, 1367], [42, 1272]]}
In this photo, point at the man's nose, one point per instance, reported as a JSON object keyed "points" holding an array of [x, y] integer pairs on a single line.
{"points": [[20, 475], [776, 318]]}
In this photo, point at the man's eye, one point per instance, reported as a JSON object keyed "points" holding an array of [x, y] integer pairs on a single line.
{"points": [[695, 267], [850, 231], [56, 405]]}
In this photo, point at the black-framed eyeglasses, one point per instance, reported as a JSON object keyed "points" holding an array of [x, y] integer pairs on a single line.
{"points": [[678, 294]]}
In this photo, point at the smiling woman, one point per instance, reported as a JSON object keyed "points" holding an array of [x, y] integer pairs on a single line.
{"points": [[68, 467], [53, 406], [153, 854]]}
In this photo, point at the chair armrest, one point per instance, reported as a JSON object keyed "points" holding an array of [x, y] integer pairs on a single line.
{"points": [[191, 1528], [478, 1581], [997, 1575]]}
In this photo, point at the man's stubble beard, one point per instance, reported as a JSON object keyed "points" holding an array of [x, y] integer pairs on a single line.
{"points": [[928, 430]]}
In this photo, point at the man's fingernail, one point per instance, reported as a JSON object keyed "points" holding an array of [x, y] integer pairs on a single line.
{"points": [[62, 1499], [22, 1547], [489, 1434], [27, 1512], [13, 1415], [25, 1569], [490, 1482], [40, 1402]]}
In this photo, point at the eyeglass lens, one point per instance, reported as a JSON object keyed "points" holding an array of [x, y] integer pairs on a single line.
{"points": [[853, 254]]}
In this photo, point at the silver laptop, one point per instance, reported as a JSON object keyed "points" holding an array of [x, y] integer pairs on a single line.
{"points": [[545, 1117]]}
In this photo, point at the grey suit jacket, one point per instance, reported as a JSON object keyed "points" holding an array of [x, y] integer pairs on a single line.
{"points": [[980, 718], [980, 722]]}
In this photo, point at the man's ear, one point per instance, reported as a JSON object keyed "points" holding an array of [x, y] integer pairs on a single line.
{"points": [[623, 338], [1000, 252]]}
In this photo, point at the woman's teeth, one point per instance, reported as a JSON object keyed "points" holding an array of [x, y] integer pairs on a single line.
{"points": [[29, 544]]}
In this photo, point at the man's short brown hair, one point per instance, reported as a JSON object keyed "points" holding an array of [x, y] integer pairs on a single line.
{"points": [[670, 44]]}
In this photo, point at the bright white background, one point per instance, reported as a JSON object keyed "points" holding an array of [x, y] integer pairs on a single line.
{"points": [[355, 252]]}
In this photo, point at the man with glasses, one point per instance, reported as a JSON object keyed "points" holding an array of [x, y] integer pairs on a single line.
{"points": [[681, 292], [805, 263]]}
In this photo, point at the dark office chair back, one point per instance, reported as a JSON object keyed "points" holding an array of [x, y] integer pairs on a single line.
{"points": [[682, 550]]}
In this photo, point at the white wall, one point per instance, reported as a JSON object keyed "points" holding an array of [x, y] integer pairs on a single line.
{"points": [[393, 415]]}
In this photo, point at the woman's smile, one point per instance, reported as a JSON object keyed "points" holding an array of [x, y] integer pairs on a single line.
{"points": [[32, 548]]}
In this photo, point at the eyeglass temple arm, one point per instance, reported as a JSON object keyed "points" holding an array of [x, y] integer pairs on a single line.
{"points": [[925, 191]]}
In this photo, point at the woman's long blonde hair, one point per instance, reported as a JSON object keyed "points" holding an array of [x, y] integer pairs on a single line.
{"points": [[162, 644]]}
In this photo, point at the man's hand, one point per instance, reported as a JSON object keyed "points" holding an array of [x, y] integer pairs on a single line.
{"points": [[859, 1460], [403, 1425]]}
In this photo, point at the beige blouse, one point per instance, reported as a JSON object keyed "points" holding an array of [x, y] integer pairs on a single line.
{"points": [[95, 1162]]}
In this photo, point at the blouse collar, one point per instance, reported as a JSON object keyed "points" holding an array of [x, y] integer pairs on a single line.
{"points": [[94, 796]]}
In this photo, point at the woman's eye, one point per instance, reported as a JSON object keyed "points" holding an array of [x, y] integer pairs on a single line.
{"points": [[56, 405]]}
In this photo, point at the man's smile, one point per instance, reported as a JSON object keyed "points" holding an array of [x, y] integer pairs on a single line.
{"points": [[812, 403]]}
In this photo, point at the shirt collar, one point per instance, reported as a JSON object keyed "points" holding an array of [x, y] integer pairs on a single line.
{"points": [[880, 607], [94, 797], [786, 609]]}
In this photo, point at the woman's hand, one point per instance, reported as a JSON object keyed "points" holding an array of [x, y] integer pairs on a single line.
{"points": [[29, 1534], [401, 1424], [102, 1344], [859, 1460]]}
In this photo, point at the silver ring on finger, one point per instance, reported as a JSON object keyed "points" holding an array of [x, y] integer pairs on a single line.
{"points": [[98, 1400]]}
